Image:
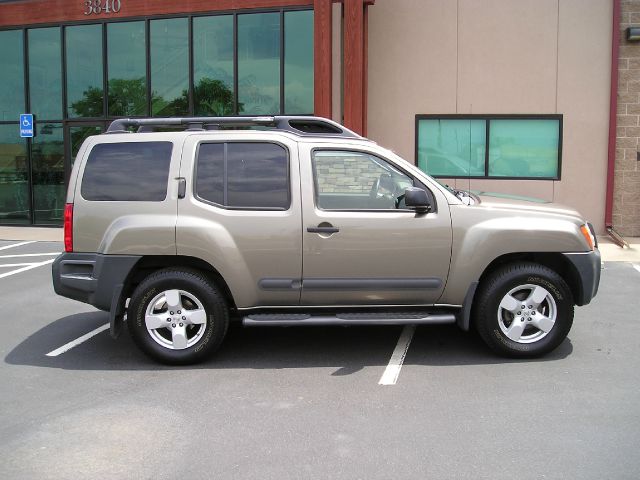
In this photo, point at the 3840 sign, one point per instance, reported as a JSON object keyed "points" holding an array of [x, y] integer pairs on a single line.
{"points": [[96, 7]]}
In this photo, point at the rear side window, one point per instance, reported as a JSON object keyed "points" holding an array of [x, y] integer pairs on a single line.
{"points": [[131, 171], [243, 175]]}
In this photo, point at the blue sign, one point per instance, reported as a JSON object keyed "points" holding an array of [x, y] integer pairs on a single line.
{"points": [[26, 125]]}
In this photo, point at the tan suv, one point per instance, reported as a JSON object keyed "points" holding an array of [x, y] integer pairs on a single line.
{"points": [[299, 221]]}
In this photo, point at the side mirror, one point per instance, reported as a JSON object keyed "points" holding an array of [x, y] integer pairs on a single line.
{"points": [[417, 199]]}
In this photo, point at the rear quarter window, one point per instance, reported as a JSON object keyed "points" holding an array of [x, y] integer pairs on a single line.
{"points": [[130, 171]]}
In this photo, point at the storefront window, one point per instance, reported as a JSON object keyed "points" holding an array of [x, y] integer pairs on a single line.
{"points": [[498, 146], [85, 94], [452, 148], [12, 84], [213, 65], [45, 73], [169, 67], [298, 62], [259, 63], [47, 157], [127, 88], [243, 63], [14, 177], [524, 148]]}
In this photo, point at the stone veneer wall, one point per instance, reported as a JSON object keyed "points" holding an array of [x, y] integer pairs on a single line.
{"points": [[626, 203]]}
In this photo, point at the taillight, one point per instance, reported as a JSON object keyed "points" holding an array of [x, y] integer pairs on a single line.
{"points": [[68, 227]]}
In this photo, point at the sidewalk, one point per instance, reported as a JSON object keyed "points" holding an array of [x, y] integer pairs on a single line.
{"points": [[41, 234], [609, 250]]}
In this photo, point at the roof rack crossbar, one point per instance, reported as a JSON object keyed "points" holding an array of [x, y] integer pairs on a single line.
{"points": [[300, 125]]}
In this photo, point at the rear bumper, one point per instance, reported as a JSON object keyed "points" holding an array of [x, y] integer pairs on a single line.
{"points": [[587, 265], [91, 277]]}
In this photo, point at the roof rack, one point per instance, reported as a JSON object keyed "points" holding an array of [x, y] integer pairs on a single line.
{"points": [[308, 125]]}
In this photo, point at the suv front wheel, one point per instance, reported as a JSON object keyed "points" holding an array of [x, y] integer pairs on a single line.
{"points": [[523, 310], [177, 316]]}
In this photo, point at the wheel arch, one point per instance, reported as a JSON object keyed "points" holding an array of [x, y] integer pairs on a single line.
{"points": [[552, 260], [151, 263]]}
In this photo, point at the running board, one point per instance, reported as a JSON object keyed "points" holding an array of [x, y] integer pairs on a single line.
{"points": [[294, 319]]}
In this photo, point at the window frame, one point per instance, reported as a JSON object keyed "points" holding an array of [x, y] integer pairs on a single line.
{"points": [[488, 118], [415, 182], [194, 189]]}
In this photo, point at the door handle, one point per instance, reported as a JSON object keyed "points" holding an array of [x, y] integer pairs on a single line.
{"points": [[182, 187], [327, 229]]}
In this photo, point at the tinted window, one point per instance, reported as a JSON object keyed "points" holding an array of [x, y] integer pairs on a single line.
{"points": [[169, 67], [259, 63], [84, 71], [244, 175], [516, 147], [524, 148], [127, 68], [210, 177], [213, 65], [449, 147], [298, 62], [132, 171], [14, 177], [12, 84], [45, 73], [47, 164]]}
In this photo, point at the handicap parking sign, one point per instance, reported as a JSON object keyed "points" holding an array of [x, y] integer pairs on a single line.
{"points": [[26, 125]]}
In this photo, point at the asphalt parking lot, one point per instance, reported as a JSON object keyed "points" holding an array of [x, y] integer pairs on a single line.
{"points": [[307, 402]]}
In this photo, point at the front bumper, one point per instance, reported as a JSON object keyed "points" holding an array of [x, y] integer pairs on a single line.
{"points": [[587, 267], [91, 277]]}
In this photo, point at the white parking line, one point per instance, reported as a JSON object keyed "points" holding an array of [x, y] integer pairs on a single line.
{"points": [[24, 269], [74, 343], [17, 244], [30, 255], [391, 373], [636, 266], [16, 265]]}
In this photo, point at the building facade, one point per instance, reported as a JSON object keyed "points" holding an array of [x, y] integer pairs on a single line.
{"points": [[537, 98]]}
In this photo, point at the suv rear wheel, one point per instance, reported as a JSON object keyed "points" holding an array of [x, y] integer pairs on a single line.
{"points": [[523, 310], [177, 316]]}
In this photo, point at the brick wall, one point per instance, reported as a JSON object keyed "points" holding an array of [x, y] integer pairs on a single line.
{"points": [[346, 175], [626, 204]]}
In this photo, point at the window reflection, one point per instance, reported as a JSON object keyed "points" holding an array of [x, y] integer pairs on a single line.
{"points": [[14, 177], [47, 156], [213, 65], [85, 94], [12, 84], [259, 63], [298, 62], [169, 67], [45, 73], [78, 135], [127, 69]]}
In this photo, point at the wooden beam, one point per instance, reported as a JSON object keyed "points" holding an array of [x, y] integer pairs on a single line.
{"points": [[322, 57], [353, 42]]}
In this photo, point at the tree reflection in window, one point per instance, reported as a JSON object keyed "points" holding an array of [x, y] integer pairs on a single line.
{"points": [[128, 97]]}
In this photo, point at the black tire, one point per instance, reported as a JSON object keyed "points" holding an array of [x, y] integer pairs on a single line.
{"points": [[157, 343], [493, 320]]}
